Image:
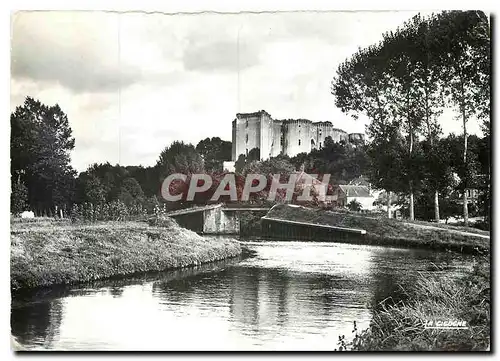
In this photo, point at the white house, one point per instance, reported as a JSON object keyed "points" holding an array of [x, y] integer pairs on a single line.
{"points": [[361, 194]]}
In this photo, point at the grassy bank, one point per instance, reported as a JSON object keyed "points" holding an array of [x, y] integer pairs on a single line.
{"points": [[250, 225], [391, 232], [47, 253], [400, 326]]}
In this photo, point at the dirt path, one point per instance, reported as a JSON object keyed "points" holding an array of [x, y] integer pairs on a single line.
{"points": [[449, 230]]}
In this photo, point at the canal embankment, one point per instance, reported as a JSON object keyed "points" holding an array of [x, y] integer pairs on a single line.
{"points": [[50, 252], [434, 300], [390, 232]]}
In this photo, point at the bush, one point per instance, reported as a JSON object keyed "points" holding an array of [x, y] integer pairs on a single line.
{"points": [[354, 206], [111, 211]]}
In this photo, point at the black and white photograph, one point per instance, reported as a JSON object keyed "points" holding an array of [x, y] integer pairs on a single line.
{"points": [[309, 180]]}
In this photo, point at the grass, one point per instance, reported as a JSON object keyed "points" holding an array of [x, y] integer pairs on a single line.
{"points": [[48, 252], [250, 225], [451, 227], [391, 232], [400, 326]]}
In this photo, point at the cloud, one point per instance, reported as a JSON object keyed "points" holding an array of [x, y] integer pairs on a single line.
{"points": [[132, 83], [220, 56], [78, 50]]}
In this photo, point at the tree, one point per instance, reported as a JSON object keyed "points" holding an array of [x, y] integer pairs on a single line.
{"points": [[404, 98], [464, 51], [147, 177], [41, 142], [427, 72], [354, 206], [386, 162], [484, 183], [95, 192], [179, 157], [343, 161], [214, 152], [362, 86], [253, 154], [240, 164], [269, 167], [399, 83], [133, 187], [131, 191], [18, 198], [302, 161]]}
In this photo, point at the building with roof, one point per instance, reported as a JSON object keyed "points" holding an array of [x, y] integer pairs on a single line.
{"points": [[289, 137], [347, 193]]}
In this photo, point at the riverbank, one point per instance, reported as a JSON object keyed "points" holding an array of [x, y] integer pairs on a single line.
{"points": [[391, 232], [400, 326], [51, 252]]}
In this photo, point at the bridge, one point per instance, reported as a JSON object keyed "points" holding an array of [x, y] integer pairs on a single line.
{"points": [[220, 219], [212, 219]]}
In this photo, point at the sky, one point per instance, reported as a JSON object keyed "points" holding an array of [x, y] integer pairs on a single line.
{"points": [[132, 83]]}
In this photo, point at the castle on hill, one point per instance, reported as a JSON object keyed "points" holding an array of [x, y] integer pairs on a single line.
{"points": [[290, 137]]}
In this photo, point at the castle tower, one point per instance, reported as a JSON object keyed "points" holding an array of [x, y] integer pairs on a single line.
{"points": [[253, 130], [290, 137]]}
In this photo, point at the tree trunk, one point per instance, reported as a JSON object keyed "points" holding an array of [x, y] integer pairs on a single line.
{"points": [[389, 194], [466, 210], [412, 206], [436, 206], [466, 180]]}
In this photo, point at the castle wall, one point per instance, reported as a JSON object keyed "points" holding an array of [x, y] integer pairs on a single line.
{"points": [[266, 135], [338, 135], [276, 146], [290, 137], [297, 135], [234, 141], [321, 131], [248, 133]]}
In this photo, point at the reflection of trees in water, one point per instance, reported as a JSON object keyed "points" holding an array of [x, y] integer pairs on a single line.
{"points": [[390, 273], [329, 291], [244, 295], [397, 271], [184, 286], [37, 322], [266, 297], [388, 286], [116, 291]]}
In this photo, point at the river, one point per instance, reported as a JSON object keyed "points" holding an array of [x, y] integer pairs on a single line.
{"points": [[289, 296]]}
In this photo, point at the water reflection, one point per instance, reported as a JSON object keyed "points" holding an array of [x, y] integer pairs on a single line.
{"points": [[38, 324], [291, 295]]}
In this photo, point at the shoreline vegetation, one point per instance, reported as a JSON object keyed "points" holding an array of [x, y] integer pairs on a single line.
{"points": [[382, 231], [400, 326], [46, 252]]}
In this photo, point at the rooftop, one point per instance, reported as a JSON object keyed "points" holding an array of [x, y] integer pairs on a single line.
{"points": [[250, 115], [355, 191]]}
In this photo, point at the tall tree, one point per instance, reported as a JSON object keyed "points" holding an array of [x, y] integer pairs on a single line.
{"points": [[362, 86], [41, 142], [429, 84], [404, 96], [464, 51]]}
